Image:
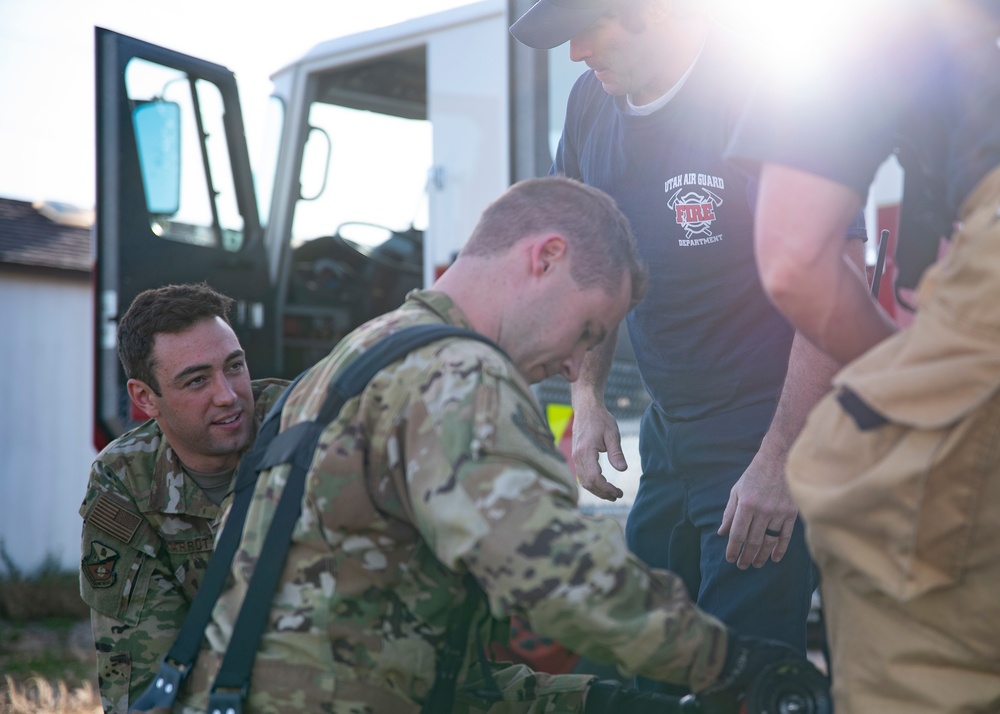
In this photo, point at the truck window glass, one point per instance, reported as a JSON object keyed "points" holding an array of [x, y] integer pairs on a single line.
{"points": [[205, 212], [157, 133], [377, 171], [265, 159], [361, 204], [379, 153]]}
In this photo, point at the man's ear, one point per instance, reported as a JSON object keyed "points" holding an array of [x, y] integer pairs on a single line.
{"points": [[546, 252], [143, 396]]}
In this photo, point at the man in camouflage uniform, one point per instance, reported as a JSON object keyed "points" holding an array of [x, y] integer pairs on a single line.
{"points": [[154, 498], [444, 466]]}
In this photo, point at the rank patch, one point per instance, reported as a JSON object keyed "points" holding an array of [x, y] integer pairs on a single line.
{"points": [[99, 565], [113, 519]]}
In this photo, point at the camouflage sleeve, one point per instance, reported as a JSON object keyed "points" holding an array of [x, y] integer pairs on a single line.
{"points": [[492, 494], [265, 393], [136, 604]]}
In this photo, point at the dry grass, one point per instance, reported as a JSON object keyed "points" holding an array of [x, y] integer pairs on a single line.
{"points": [[48, 668], [39, 696], [47, 656]]}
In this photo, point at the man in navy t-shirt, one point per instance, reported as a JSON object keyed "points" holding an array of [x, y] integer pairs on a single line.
{"points": [[730, 382]]}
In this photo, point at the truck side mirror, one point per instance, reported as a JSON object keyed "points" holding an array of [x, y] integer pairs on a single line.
{"points": [[315, 164], [157, 127]]}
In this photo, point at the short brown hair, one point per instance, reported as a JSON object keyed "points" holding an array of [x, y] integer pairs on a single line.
{"points": [[602, 247], [170, 309]]}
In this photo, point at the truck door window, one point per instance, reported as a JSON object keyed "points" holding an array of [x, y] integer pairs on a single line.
{"points": [[187, 175], [360, 200], [368, 150], [265, 159]]}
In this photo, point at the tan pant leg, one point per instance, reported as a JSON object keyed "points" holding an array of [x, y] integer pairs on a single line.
{"points": [[937, 651], [922, 657]]}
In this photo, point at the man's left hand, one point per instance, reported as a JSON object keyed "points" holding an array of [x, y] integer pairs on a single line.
{"points": [[760, 515]]}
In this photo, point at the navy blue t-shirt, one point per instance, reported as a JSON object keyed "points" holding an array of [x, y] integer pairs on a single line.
{"points": [[706, 338]]}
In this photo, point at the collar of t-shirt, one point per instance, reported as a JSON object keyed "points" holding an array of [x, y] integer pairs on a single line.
{"points": [[215, 485], [659, 103]]}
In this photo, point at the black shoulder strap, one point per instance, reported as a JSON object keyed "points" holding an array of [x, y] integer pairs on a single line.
{"points": [[295, 446]]}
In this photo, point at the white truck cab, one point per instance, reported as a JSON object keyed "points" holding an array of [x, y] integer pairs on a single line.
{"points": [[382, 148]]}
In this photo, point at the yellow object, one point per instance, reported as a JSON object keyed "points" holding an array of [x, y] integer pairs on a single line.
{"points": [[558, 416]]}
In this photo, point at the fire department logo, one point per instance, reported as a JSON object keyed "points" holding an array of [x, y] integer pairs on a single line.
{"points": [[99, 565], [694, 211]]}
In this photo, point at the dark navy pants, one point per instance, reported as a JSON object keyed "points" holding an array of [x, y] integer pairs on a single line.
{"points": [[688, 470]]}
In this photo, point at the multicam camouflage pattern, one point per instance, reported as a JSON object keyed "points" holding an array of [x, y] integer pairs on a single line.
{"points": [[443, 465], [148, 533]]}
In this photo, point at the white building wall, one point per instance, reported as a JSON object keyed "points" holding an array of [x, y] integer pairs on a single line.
{"points": [[46, 406]]}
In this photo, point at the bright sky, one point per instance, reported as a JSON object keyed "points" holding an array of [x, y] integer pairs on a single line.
{"points": [[47, 63], [47, 68]]}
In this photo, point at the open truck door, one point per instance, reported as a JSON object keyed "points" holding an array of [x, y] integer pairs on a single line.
{"points": [[175, 203]]}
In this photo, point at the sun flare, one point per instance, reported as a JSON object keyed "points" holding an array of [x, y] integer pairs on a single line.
{"points": [[796, 38]]}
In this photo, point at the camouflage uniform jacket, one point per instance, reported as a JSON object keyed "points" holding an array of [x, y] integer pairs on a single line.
{"points": [[148, 532], [443, 465]]}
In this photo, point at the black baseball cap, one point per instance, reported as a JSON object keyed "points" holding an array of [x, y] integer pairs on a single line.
{"points": [[549, 23]]}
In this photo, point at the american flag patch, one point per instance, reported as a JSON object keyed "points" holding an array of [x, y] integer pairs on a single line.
{"points": [[113, 519]]}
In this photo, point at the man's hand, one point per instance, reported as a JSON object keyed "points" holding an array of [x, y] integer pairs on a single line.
{"points": [[595, 432], [760, 514]]}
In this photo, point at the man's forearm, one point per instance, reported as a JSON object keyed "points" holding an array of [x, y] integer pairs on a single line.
{"points": [[800, 224], [850, 325], [810, 371], [807, 380], [590, 384]]}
